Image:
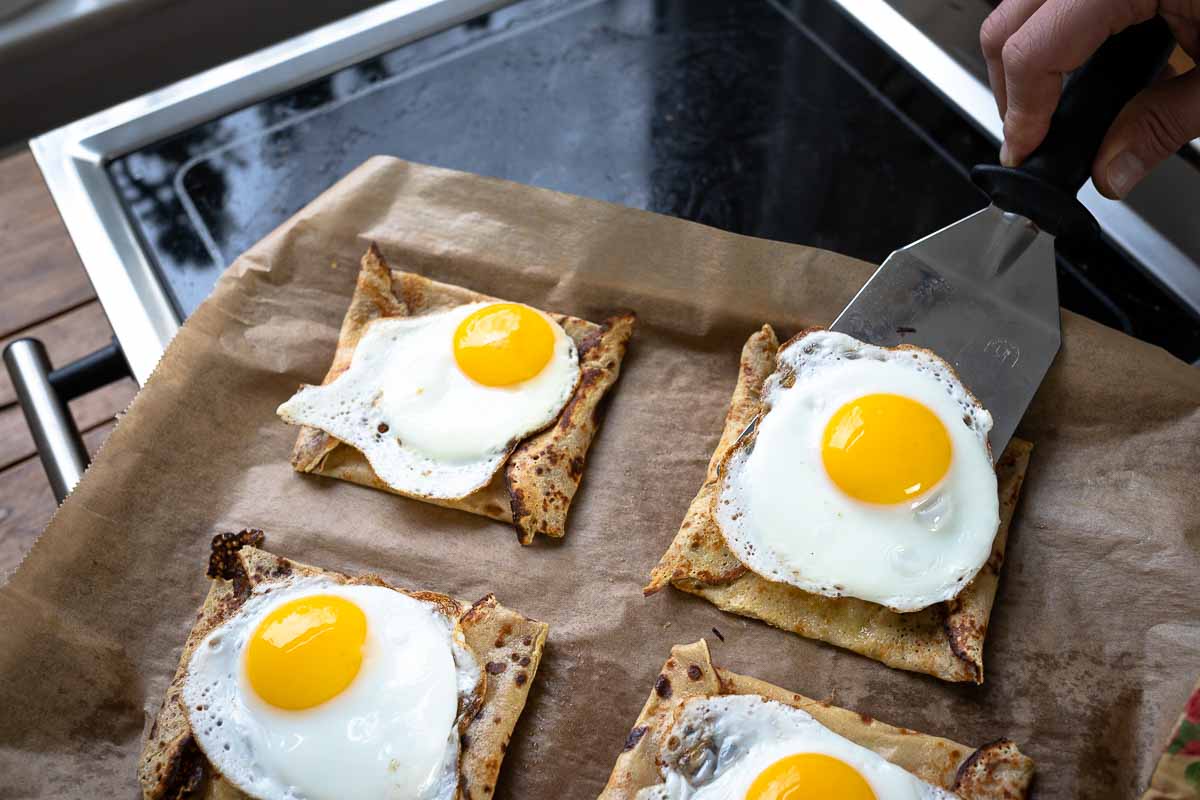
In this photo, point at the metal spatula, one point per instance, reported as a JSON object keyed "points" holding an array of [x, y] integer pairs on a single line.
{"points": [[983, 293]]}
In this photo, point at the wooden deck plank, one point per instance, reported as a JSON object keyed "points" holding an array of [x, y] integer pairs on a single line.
{"points": [[67, 337], [41, 272], [16, 443], [47, 295], [26, 503]]}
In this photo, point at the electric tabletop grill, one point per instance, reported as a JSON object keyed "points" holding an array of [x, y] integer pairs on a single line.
{"points": [[843, 124]]}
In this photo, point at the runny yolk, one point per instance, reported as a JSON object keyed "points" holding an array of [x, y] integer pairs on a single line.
{"points": [[810, 776], [306, 651], [885, 448], [503, 343]]}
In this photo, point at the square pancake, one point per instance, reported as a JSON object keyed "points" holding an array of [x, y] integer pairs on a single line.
{"points": [[534, 487], [507, 644], [991, 772], [944, 640]]}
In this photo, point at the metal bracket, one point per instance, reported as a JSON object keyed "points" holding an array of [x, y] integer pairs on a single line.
{"points": [[44, 392]]}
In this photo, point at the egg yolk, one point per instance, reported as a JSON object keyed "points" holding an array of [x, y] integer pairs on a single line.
{"points": [[503, 344], [810, 776], [306, 651], [885, 448]]}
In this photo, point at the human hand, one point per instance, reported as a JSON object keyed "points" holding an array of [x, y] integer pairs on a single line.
{"points": [[1031, 44]]}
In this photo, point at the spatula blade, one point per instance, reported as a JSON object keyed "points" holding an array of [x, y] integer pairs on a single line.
{"points": [[982, 294]]}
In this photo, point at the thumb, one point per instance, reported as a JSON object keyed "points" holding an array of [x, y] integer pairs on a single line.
{"points": [[1156, 123]]}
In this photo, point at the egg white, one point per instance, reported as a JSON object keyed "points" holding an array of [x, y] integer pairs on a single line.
{"points": [[392, 733], [425, 427], [783, 516], [721, 744]]}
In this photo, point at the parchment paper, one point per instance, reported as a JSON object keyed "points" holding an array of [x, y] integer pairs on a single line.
{"points": [[1094, 643]]}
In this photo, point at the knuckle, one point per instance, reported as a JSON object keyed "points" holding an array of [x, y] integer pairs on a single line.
{"points": [[1016, 55], [992, 34]]}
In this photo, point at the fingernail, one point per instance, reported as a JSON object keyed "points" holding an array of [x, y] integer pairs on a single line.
{"points": [[1124, 172], [1005, 156]]}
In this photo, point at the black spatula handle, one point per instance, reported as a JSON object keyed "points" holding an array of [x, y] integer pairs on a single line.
{"points": [[1043, 188]]}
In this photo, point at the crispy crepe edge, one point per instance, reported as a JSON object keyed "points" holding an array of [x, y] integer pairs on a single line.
{"points": [[534, 487], [994, 771], [507, 644], [945, 640]]}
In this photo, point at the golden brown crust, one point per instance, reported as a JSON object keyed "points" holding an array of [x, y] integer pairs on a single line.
{"points": [[172, 766], [994, 771], [997, 769], [543, 473], [510, 648], [372, 299], [698, 552], [945, 640], [533, 491]]}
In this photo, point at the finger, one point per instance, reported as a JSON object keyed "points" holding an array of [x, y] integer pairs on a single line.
{"points": [[1059, 37], [1182, 20], [1003, 22], [1156, 123]]}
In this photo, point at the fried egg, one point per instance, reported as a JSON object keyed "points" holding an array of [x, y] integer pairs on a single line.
{"points": [[744, 747], [868, 475], [316, 689], [437, 402]]}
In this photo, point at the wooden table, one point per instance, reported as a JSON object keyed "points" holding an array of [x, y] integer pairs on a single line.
{"points": [[45, 294]]}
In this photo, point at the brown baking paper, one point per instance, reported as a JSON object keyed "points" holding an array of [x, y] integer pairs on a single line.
{"points": [[1094, 643]]}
